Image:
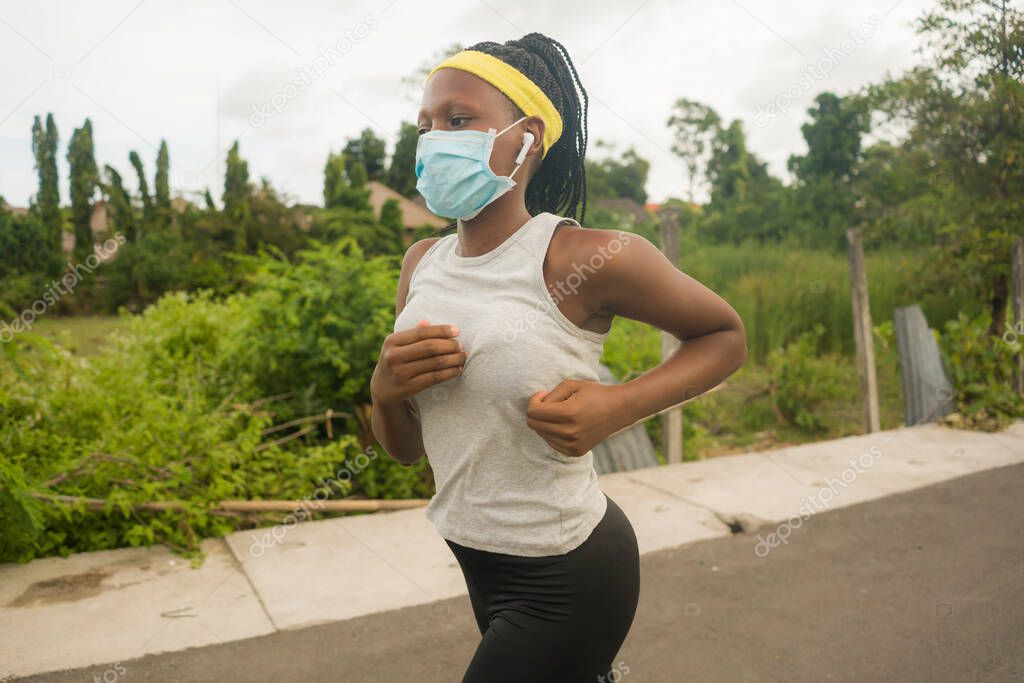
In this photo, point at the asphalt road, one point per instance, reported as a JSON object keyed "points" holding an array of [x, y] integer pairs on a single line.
{"points": [[924, 586]]}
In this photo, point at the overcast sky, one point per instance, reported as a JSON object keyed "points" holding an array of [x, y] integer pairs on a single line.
{"points": [[195, 72]]}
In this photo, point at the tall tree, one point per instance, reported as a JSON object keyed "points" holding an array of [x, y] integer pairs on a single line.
{"points": [[747, 202], [84, 178], [345, 184], [618, 176], [369, 150], [695, 127], [730, 167], [162, 183], [824, 175], [964, 110], [401, 176], [833, 137], [236, 188], [393, 224], [147, 200], [121, 205], [47, 200]]}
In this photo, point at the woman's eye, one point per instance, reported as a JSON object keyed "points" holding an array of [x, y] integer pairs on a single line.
{"points": [[459, 118]]}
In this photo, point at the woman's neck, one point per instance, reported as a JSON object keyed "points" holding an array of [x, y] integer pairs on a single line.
{"points": [[492, 226]]}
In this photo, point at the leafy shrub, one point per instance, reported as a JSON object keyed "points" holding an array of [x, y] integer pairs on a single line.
{"points": [[145, 269], [981, 369], [374, 238], [316, 326], [181, 406], [24, 246], [805, 386], [125, 429], [28, 263]]}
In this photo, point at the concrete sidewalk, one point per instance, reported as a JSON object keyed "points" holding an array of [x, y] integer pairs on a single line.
{"points": [[108, 608]]}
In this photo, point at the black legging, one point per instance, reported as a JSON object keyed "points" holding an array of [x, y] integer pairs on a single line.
{"points": [[554, 618]]}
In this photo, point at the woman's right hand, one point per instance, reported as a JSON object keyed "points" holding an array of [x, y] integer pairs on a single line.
{"points": [[417, 358]]}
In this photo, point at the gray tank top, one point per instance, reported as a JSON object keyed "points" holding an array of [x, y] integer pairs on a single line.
{"points": [[499, 486]]}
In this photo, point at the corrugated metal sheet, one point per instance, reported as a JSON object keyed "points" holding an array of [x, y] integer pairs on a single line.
{"points": [[927, 391]]}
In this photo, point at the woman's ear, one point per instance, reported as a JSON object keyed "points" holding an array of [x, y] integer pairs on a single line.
{"points": [[535, 125]]}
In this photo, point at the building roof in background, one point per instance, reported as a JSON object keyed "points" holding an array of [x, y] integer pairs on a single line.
{"points": [[16, 210], [655, 208], [413, 214], [625, 204]]}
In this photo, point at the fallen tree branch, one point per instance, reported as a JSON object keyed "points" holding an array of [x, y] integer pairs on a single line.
{"points": [[285, 439], [303, 420], [246, 506], [162, 472]]}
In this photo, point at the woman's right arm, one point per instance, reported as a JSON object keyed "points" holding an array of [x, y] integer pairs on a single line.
{"points": [[397, 429], [410, 361]]}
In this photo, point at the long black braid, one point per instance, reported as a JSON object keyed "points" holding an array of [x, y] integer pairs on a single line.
{"points": [[559, 185]]}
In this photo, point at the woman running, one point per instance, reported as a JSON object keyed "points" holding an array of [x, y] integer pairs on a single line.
{"points": [[491, 371]]}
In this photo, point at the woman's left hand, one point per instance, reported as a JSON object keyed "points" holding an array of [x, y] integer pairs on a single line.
{"points": [[577, 415]]}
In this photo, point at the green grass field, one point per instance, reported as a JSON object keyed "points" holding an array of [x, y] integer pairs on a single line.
{"points": [[81, 335]]}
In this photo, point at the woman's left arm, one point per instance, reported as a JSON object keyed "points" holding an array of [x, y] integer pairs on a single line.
{"points": [[635, 280]]}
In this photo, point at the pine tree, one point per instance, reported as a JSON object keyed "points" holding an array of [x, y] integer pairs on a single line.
{"points": [[236, 186], [402, 171], [121, 203], [84, 178], [147, 200], [162, 184], [393, 223], [368, 150], [345, 188], [47, 201]]}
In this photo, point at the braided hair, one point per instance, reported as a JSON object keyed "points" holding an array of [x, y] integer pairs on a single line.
{"points": [[559, 184]]}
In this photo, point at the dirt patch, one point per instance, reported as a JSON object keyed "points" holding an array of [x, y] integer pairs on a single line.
{"points": [[62, 589]]}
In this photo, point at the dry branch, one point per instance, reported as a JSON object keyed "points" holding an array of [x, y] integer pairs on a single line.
{"points": [[248, 506]]}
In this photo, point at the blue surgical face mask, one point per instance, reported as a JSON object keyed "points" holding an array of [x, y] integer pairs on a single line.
{"points": [[454, 173]]}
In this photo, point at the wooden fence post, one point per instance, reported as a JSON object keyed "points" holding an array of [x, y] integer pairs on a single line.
{"points": [[672, 421], [862, 332]]}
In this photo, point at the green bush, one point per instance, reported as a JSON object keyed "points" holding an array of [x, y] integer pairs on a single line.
{"points": [[180, 404], [126, 430], [373, 237], [28, 263], [146, 269], [316, 326], [805, 387], [981, 369]]}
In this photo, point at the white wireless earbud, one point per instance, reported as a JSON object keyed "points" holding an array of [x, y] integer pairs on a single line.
{"points": [[527, 141]]}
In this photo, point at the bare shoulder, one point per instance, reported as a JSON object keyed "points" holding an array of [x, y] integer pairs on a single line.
{"points": [[416, 251], [413, 255], [630, 277], [592, 259], [620, 271], [599, 247]]}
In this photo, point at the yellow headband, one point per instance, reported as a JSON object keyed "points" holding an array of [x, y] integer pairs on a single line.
{"points": [[511, 81]]}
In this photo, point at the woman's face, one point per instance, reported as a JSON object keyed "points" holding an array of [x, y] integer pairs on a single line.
{"points": [[457, 100]]}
